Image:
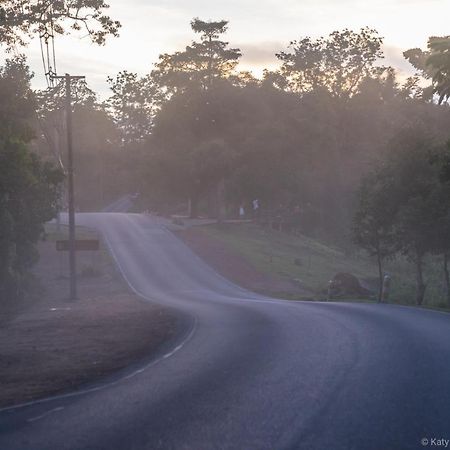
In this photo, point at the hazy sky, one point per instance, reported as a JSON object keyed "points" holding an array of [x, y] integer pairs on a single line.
{"points": [[259, 28]]}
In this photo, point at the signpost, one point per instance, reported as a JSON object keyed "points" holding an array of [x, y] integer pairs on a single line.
{"points": [[81, 245]]}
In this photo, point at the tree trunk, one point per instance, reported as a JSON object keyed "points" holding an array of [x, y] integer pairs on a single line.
{"points": [[380, 278], [447, 277], [220, 200], [212, 203], [421, 286]]}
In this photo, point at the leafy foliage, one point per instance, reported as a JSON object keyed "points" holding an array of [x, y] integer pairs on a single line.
{"points": [[28, 186], [439, 61], [201, 63], [337, 64], [133, 104], [404, 205], [20, 19]]}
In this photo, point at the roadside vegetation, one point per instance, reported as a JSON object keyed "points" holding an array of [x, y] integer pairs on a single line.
{"points": [[312, 264]]}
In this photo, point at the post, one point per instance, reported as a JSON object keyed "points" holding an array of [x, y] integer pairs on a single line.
{"points": [[72, 254], [72, 251], [386, 288]]}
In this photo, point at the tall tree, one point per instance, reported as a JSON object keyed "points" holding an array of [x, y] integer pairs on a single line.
{"points": [[441, 225], [191, 152], [337, 63], [201, 63], [410, 207], [373, 221], [133, 104]]}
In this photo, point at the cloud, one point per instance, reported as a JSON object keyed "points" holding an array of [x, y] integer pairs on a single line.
{"points": [[394, 57], [262, 53]]}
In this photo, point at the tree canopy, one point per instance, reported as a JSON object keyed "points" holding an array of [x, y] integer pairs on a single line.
{"points": [[337, 63], [439, 61], [20, 19]]}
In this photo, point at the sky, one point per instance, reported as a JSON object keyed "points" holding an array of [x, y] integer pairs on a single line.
{"points": [[260, 28]]}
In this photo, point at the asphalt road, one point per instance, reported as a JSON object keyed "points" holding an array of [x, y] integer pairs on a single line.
{"points": [[247, 372]]}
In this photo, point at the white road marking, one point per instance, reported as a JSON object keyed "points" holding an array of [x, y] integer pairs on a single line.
{"points": [[249, 297], [106, 385], [59, 408]]}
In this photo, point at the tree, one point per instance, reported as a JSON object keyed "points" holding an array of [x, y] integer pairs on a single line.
{"points": [[133, 104], [28, 198], [373, 225], [419, 60], [191, 153], [407, 213], [441, 226], [194, 80], [439, 61], [17, 101], [337, 64], [28, 186], [201, 63], [23, 18], [50, 119]]}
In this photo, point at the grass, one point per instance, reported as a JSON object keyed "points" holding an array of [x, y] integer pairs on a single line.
{"points": [[315, 263]]}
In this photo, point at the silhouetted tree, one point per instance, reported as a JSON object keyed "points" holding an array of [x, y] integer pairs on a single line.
{"points": [[28, 186], [405, 205], [23, 18], [439, 61], [337, 64], [373, 221], [201, 63], [133, 104]]}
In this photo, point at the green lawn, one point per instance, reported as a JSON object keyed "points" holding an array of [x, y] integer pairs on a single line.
{"points": [[275, 253]]}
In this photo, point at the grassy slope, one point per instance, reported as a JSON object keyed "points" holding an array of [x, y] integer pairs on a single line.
{"points": [[274, 253]]}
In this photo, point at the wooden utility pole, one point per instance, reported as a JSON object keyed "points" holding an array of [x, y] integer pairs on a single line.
{"points": [[72, 250]]}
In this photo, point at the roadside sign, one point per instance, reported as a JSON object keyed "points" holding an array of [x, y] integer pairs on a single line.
{"points": [[81, 245]]}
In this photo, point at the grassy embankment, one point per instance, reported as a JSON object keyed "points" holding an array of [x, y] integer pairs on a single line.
{"points": [[275, 253]]}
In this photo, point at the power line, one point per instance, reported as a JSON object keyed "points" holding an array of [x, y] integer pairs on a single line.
{"points": [[47, 44], [48, 53]]}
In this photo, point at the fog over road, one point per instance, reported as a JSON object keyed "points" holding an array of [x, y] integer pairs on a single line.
{"points": [[248, 372]]}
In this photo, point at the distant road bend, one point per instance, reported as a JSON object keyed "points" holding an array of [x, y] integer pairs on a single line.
{"points": [[248, 372]]}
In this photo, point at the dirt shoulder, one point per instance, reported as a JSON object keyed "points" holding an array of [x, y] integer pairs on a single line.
{"points": [[49, 345], [236, 268]]}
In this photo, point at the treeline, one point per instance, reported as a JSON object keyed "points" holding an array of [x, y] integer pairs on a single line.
{"points": [[196, 131], [300, 139], [197, 135]]}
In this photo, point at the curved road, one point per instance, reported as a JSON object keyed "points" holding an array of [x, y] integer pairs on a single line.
{"points": [[249, 372]]}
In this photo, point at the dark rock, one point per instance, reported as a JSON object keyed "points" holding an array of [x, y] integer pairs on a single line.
{"points": [[346, 284]]}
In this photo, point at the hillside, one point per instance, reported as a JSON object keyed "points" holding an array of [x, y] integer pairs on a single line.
{"points": [[284, 261]]}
